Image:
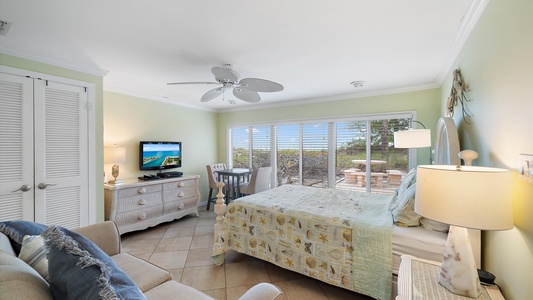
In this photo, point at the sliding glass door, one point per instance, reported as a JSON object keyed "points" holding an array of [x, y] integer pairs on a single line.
{"points": [[355, 154]]}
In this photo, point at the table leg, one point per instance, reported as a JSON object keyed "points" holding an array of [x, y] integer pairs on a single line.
{"points": [[238, 194]]}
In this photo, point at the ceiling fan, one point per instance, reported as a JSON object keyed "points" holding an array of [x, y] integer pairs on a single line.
{"points": [[245, 89]]}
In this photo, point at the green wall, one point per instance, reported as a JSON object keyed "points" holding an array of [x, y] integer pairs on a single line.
{"points": [[497, 64], [128, 120], [425, 103], [20, 63]]}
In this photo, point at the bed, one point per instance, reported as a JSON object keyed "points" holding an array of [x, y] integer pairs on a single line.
{"points": [[348, 239]]}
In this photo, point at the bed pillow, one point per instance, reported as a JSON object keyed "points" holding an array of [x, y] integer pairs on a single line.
{"points": [[16, 230], [78, 269], [34, 254], [409, 179], [434, 225], [404, 213]]}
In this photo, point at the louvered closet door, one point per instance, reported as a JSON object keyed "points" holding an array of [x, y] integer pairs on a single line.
{"points": [[16, 148], [61, 154]]}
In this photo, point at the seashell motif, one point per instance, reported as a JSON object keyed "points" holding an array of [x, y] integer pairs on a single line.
{"points": [[311, 262], [310, 234], [251, 218], [347, 235], [345, 280], [271, 235], [297, 242], [292, 221], [281, 219], [324, 265], [253, 243], [335, 253]]}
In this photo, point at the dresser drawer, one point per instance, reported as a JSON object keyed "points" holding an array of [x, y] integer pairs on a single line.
{"points": [[135, 216], [138, 202], [177, 205], [181, 193], [179, 184], [156, 188]]}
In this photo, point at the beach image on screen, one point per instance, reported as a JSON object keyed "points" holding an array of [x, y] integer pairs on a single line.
{"points": [[161, 155]]}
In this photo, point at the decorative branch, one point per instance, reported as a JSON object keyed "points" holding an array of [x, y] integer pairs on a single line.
{"points": [[458, 94]]}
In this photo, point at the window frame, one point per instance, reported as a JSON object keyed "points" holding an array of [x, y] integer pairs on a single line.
{"points": [[331, 123]]}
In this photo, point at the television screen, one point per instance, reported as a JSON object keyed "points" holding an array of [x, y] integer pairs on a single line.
{"points": [[159, 155]]}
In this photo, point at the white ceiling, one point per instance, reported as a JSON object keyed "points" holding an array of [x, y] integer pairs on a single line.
{"points": [[314, 48]]}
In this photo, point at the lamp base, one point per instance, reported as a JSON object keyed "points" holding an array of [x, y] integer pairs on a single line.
{"points": [[115, 181], [458, 273]]}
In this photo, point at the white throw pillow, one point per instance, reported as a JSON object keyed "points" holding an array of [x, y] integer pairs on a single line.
{"points": [[434, 225], [34, 254], [404, 212]]}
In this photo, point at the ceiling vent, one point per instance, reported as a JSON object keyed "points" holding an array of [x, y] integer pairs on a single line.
{"points": [[5, 26]]}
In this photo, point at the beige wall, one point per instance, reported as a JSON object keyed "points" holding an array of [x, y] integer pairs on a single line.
{"points": [[497, 63], [128, 120], [15, 62], [425, 103]]}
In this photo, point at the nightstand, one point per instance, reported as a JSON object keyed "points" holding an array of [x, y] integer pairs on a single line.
{"points": [[417, 279]]}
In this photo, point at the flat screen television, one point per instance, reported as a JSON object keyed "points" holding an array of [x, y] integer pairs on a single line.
{"points": [[159, 155]]}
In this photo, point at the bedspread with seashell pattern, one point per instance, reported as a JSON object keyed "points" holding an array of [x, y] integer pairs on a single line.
{"points": [[337, 236]]}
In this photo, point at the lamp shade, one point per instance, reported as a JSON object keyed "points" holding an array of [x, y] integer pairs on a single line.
{"points": [[114, 155], [466, 196], [412, 138]]}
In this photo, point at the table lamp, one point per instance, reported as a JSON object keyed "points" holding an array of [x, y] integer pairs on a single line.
{"points": [[464, 197], [115, 155]]}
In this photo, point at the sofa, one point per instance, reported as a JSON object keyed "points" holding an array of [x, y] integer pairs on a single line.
{"points": [[87, 263]]}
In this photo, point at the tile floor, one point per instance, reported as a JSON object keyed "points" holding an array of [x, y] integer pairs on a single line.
{"points": [[184, 248]]}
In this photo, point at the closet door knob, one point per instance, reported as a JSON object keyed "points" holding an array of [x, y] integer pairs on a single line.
{"points": [[43, 185], [23, 188]]}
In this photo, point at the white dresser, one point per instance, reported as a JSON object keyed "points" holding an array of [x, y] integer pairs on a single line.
{"points": [[136, 204]]}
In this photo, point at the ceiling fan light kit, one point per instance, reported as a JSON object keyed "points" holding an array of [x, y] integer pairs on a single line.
{"points": [[246, 89]]}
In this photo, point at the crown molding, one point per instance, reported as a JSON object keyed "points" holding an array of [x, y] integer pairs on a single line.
{"points": [[138, 94], [351, 96], [468, 24], [58, 63]]}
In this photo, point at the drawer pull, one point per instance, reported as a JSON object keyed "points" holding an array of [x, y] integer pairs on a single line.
{"points": [[181, 194], [180, 184], [142, 190], [142, 216], [141, 202]]}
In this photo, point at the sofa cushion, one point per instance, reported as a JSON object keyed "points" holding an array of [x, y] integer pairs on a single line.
{"points": [[34, 254], [78, 269], [145, 275], [175, 290], [20, 281], [16, 230]]}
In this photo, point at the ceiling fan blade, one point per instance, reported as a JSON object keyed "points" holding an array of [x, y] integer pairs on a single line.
{"points": [[261, 85], [225, 74], [246, 95], [178, 83], [212, 94]]}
